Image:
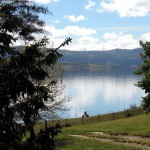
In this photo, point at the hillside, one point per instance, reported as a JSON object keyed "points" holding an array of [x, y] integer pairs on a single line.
{"points": [[113, 58]]}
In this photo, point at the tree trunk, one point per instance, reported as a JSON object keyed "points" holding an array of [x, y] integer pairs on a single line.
{"points": [[32, 134]]}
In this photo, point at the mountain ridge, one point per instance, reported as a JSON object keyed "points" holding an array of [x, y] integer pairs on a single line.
{"points": [[111, 58]]}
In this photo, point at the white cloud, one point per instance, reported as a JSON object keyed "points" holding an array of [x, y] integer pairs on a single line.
{"points": [[89, 4], [126, 8], [145, 37], [53, 32], [79, 31], [45, 1], [86, 43], [87, 38], [75, 19], [68, 30], [109, 41], [119, 40], [80, 36], [111, 36]]}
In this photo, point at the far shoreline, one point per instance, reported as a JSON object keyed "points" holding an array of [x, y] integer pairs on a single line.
{"points": [[98, 66]]}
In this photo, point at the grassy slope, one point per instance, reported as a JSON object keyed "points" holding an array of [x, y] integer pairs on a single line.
{"points": [[104, 117], [136, 125], [70, 143]]}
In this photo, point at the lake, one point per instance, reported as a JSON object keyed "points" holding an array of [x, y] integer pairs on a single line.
{"points": [[100, 91]]}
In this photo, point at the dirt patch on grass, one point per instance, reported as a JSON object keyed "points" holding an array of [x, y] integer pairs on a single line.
{"points": [[127, 137], [135, 141], [87, 137]]}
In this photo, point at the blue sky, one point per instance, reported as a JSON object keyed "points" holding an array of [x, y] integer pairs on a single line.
{"points": [[97, 24]]}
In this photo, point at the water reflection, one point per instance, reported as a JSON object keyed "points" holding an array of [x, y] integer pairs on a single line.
{"points": [[100, 91]]}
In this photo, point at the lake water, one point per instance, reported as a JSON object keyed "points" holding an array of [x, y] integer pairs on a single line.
{"points": [[100, 91]]}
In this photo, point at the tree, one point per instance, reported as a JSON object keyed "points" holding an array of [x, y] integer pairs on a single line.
{"points": [[144, 70], [55, 84], [22, 74]]}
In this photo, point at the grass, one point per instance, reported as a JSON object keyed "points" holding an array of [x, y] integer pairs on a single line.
{"points": [[136, 125], [113, 124], [71, 143], [102, 118]]}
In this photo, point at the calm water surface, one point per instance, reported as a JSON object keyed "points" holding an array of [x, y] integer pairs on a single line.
{"points": [[100, 91]]}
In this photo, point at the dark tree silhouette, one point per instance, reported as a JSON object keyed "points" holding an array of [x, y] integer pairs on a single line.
{"points": [[144, 71], [22, 73]]}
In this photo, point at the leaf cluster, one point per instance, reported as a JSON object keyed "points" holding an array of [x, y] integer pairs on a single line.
{"points": [[144, 71]]}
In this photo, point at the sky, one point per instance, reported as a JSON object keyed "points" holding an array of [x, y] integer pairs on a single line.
{"points": [[97, 24]]}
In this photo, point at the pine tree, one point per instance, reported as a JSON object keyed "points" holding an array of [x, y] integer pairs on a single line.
{"points": [[22, 72]]}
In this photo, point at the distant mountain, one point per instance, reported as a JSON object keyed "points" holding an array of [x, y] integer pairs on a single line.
{"points": [[112, 58]]}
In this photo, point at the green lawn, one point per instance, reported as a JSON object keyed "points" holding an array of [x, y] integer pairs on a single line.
{"points": [[71, 143], [136, 125]]}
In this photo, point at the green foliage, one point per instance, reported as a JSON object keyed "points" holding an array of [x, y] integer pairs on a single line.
{"points": [[44, 139], [22, 73], [144, 71]]}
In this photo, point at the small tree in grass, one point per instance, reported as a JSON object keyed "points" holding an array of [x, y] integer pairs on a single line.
{"points": [[144, 71], [22, 76]]}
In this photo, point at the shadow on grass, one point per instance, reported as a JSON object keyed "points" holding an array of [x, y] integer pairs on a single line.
{"points": [[64, 142]]}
